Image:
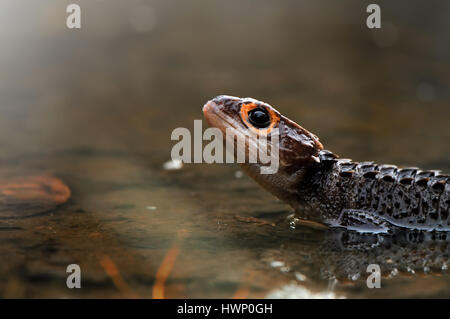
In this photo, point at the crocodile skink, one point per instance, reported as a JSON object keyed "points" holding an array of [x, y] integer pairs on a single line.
{"points": [[323, 188]]}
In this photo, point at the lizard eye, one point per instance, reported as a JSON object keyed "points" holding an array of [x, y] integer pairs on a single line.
{"points": [[259, 117]]}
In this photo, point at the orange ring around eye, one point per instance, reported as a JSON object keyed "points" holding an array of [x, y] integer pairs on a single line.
{"points": [[274, 118]]}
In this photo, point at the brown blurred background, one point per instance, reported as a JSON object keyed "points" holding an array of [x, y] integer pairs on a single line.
{"points": [[96, 107]]}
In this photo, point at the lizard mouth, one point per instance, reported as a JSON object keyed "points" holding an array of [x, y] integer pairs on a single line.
{"points": [[231, 128], [215, 118]]}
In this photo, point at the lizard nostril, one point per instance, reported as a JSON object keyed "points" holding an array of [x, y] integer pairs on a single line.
{"points": [[210, 105]]}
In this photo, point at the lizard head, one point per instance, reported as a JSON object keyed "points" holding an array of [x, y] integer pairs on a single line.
{"points": [[297, 148]]}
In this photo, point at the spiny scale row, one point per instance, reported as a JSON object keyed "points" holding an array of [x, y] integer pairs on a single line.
{"points": [[389, 173]]}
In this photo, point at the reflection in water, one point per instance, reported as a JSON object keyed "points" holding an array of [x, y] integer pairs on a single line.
{"points": [[349, 253], [95, 108], [342, 257]]}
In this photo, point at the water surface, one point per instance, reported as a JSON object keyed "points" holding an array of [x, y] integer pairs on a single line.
{"points": [[95, 107]]}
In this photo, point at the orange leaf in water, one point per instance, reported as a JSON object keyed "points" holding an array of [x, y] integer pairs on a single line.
{"points": [[113, 272], [30, 195]]}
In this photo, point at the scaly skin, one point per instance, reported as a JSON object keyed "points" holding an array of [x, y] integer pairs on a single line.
{"points": [[366, 197]]}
